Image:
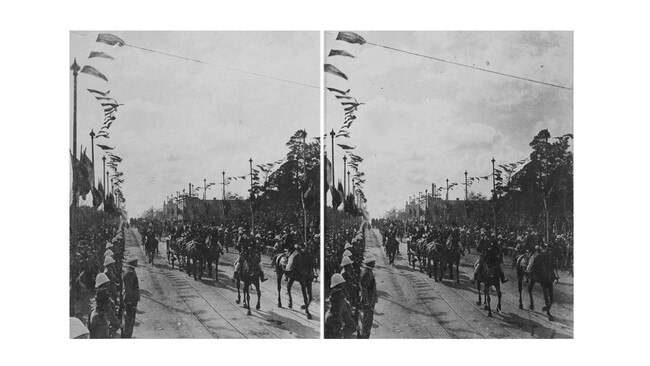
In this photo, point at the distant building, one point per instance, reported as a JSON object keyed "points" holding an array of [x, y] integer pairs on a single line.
{"points": [[191, 208]]}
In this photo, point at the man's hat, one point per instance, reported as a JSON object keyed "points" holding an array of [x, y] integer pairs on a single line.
{"points": [[108, 260], [347, 253], [369, 259], [101, 279], [109, 245], [77, 328], [347, 245], [337, 279], [346, 261], [107, 253]]}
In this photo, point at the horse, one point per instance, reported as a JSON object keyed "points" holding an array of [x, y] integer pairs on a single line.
{"points": [[194, 253], [302, 272], [543, 271], [488, 274], [249, 276], [212, 252], [391, 249], [450, 256]]}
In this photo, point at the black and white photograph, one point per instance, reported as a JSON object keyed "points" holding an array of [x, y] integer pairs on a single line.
{"points": [[449, 180], [194, 184]]}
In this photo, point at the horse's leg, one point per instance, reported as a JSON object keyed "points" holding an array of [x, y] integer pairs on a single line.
{"points": [[520, 280], [278, 274], [247, 296], [450, 263], [531, 305], [498, 286], [238, 294], [259, 293], [458, 270], [550, 302], [478, 289], [486, 294], [304, 297], [289, 284]]}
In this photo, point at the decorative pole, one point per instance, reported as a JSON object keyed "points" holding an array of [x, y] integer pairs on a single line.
{"points": [[103, 174], [92, 151], [304, 175], [223, 193], [447, 196], [348, 181], [333, 166], [466, 185], [204, 189], [251, 198], [494, 195], [345, 159], [75, 71]]}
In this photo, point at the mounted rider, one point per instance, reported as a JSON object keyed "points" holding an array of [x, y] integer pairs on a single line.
{"points": [[490, 254], [251, 251]]}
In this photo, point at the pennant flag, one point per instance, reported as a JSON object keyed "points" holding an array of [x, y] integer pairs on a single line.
{"points": [[98, 196], [93, 71], [340, 53], [87, 165], [99, 54], [328, 68], [110, 39], [350, 37], [99, 92], [338, 91], [104, 147], [343, 97], [328, 172], [346, 147]]}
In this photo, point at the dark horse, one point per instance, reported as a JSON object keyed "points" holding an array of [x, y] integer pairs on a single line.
{"points": [[212, 252], [450, 255], [301, 272], [195, 259], [391, 249], [488, 274], [543, 271], [249, 276]]}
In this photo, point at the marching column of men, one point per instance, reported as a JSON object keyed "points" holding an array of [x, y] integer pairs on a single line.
{"points": [[353, 292]]}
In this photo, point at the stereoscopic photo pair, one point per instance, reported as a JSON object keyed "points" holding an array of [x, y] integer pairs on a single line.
{"points": [[432, 199]]}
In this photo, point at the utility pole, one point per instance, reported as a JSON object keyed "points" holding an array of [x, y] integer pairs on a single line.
{"points": [[304, 177], [494, 196], [333, 166], [466, 185], [251, 198], [223, 193], [204, 189], [447, 195]]}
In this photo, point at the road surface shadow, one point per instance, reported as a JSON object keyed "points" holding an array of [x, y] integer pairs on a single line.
{"points": [[534, 328], [272, 319]]}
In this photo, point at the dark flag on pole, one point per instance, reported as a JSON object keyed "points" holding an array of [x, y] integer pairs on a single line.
{"points": [[93, 71], [332, 70], [80, 182], [350, 37], [110, 39]]}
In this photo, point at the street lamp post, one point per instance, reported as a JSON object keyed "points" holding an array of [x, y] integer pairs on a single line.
{"points": [[104, 174], [223, 193]]}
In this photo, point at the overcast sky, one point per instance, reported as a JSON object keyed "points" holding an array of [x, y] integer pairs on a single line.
{"points": [[425, 121], [184, 121]]}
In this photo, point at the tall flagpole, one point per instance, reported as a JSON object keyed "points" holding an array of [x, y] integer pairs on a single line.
{"points": [[204, 189], [75, 71], [494, 196], [92, 152], [304, 175]]}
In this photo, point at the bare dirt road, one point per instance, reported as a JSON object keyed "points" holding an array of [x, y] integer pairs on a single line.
{"points": [[412, 305]]}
